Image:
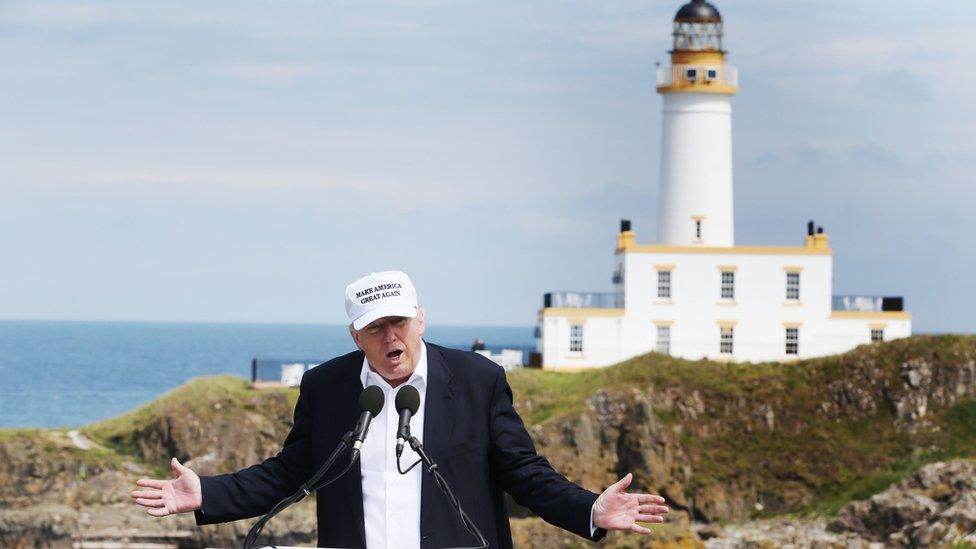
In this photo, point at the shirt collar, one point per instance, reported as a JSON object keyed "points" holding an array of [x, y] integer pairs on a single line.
{"points": [[420, 373]]}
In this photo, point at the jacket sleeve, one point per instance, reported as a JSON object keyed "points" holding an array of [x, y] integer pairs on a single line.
{"points": [[255, 490], [529, 477]]}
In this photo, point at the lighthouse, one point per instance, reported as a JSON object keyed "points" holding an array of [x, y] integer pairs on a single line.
{"points": [[695, 293], [695, 200]]}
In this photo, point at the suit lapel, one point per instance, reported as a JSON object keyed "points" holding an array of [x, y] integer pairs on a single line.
{"points": [[438, 426], [346, 394]]}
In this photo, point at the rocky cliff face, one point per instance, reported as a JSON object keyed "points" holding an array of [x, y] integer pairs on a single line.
{"points": [[771, 440], [934, 507], [58, 487], [722, 442]]}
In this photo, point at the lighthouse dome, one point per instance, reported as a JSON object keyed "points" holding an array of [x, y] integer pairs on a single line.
{"points": [[698, 11], [697, 27]]}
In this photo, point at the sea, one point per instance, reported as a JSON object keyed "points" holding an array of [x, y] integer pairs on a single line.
{"points": [[66, 374]]}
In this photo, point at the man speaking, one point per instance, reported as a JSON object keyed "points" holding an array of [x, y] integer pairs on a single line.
{"points": [[467, 425]]}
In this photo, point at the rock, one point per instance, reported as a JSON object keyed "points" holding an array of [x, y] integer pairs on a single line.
{"points": [[38, 526], [936, 505], [719, 441], [786, 533]]}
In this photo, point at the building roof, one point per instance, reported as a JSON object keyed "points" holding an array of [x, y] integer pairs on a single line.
{"points": [[698, 11]]}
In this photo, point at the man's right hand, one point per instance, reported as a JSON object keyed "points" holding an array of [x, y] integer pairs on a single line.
{"points": [[168, 497]]}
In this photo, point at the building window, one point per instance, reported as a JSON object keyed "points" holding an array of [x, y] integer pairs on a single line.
{"points": [[698, 229], [664, 284], [792, 341], [664, 339], [576, 338], [725, 340], [728, 284], [691, 74], [877, 335], [792, 286]]}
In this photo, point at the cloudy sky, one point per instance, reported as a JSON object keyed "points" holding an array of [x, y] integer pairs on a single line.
{"points": [[242, 161]]}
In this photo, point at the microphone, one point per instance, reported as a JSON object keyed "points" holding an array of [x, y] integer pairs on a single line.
{"points": [[370, 404], [407, 404]]}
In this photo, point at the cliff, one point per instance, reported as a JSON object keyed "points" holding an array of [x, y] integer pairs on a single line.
{"points": [[723, 442]]}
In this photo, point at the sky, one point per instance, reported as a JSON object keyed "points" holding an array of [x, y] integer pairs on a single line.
{"points": [[243, 161]]}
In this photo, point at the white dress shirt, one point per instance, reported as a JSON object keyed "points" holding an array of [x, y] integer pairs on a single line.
{"points": [[391, 501]]}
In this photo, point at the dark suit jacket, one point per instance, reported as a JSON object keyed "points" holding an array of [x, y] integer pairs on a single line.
{"points": [[470, 430]]}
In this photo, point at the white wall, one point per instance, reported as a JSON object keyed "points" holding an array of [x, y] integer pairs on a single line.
{"points": [[843, 334], [601, 342], [760, 311], [696, 169], [760, 307]]}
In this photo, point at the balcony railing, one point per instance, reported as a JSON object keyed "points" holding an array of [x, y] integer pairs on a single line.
{"points": [[867, 303], [679, 75], [584, 300]]}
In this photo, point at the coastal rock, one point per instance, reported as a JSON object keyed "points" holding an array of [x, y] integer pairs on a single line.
{"points": [[721, 442], [659, 430], [787, 534], [38, 526], [935, 506]]}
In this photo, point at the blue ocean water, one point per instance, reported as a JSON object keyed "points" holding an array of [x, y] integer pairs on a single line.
{"points": [[65, 374]]}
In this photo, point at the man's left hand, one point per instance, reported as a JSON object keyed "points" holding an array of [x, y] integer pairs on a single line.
{"points": [[617, 509]]}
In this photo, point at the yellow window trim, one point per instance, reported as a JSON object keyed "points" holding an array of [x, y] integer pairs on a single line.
{"points": [[727, 323], [567, 369], [580, 312], [698, 87], [728, 268], [663, 322], [792, 324], [633, 247], [793, 268], [664, 267]]}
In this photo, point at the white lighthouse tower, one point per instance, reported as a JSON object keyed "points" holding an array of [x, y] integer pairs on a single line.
{"points": [[695, 203]]}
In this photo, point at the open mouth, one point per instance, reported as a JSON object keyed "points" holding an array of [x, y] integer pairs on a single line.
{"points": [[393, 355]]}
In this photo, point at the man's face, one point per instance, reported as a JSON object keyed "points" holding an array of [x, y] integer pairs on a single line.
{"points": [[392, 345]]}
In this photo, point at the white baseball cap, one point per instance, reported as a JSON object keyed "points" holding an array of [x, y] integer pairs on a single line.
{"points": [[376, 295]]}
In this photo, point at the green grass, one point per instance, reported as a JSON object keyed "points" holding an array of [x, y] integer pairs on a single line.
{"points": [[12, 435], [835, 460], [830, 459], [202, 396]]}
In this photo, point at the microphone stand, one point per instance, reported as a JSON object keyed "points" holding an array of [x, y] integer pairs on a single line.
{"points": [[441, 483], [307, 488]]}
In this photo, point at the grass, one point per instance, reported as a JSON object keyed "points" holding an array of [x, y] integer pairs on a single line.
{"points": [[12, 435], [825, 461], [202, 396], [832, 459]]}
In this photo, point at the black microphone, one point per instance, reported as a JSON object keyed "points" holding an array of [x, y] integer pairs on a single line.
{"points": [[407, 404], [370, 404]]}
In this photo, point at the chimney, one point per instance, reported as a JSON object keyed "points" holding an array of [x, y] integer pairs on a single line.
{"points": [[820, 239], [626, 238]]}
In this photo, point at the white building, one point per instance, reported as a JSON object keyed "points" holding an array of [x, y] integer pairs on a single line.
{"points": [[695, 294]]}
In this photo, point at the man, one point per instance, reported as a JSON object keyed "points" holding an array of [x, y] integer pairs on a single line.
{"points": [[466, 422]]}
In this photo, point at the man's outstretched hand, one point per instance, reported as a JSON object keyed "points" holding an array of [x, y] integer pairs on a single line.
{"points": [[168, 497], [616, 509]]}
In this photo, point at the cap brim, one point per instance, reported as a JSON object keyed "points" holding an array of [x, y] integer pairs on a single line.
{"points": [[380, 312]]}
